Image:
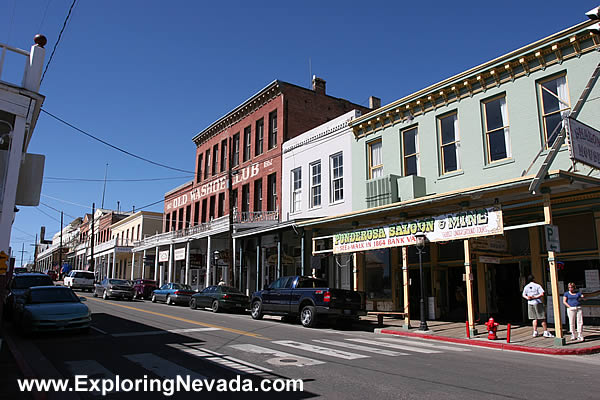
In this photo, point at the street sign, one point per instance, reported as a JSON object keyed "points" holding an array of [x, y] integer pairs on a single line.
{"points": [[3, 264], [552, 238]]}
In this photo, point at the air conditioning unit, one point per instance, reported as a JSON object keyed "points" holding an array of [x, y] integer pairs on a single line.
{"points": [[382, 191]]}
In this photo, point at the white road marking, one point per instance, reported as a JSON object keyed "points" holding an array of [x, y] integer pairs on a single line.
{"points": [[161, 367], [359, 347], [161, 332], [92, 368], [280, 359], [320, 350], [228, 362], [99, 330], [395, 346], [424, 344]]}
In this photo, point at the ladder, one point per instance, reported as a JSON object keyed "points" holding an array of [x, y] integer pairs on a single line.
{"points": [[560, 139]]}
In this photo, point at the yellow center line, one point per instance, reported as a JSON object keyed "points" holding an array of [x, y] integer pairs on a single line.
{"points": [[189, 321]]}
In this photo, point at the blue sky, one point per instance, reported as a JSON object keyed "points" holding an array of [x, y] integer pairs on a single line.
{"points": [[148, 75]]}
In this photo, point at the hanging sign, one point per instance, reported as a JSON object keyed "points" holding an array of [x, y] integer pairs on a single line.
{"points": [[179, 254], [584, 143], [460, 225], [163, 256]]}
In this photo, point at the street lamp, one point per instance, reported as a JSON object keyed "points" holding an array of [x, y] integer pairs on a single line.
{"points": [[420, 245], [216, 265]]}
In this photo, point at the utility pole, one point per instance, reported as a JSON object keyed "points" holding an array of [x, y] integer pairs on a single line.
{"points": [[92, 267], [22, 251], [35, 249], [104, 190], [230, 203], [61, 242]]}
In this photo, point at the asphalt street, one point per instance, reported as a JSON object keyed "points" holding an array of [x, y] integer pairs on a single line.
{"points": [[134, 339]]}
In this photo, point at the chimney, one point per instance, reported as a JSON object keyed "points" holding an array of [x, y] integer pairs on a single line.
{"points": [[374, 102], [318, 85]]}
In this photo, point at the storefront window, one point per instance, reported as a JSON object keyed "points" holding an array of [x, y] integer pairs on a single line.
{"points": [[378, 274]]}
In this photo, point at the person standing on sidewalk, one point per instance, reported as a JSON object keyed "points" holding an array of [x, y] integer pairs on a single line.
{"points": [[534, 293], [572, 300]]}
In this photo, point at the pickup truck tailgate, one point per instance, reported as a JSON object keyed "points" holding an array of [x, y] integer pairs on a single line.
{"points": [[346, 299]]}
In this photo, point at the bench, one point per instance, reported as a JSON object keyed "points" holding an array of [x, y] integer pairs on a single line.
{"points": [[381, 314]]}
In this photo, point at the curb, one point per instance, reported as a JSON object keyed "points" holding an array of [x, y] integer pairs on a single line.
{"points": [[494, 345]]}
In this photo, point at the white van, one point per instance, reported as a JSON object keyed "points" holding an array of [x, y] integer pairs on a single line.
{"points": [[78, 279]]}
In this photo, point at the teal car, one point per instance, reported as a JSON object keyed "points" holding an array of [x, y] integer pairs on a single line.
{"points": [[52, 308]]}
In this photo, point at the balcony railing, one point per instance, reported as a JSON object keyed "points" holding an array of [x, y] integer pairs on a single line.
{"points": [[162, 238], [30, 78], [255, 216]]}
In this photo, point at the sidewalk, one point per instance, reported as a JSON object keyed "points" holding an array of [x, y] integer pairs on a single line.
{"points": [[521, 338]]}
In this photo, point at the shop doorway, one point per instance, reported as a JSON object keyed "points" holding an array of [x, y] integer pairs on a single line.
{"points": [[503, 294]]}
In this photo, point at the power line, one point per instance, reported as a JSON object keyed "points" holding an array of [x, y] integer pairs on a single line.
{"points": [[22, 231], [113, 146], [44, 15], [67, 202], [46, 214], [44, 204], [57, 179], [58, 40]]}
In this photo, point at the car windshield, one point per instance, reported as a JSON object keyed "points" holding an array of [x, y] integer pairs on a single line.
{"points": [[84, 275], [53, 295], [181, 286], [118, 282], [229, 289], [24, 282], [20, 270]]}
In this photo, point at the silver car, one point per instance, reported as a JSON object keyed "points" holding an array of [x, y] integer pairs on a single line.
{"points": [[51, 308]]}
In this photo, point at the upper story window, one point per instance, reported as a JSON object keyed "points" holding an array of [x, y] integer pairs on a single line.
{"points": [[236, 150], [449, 142], [410, 150], [496, 129], [258, 194], [272, 129], [555, 106], [246, 198], [223, 155], [296, 189], [375, 159], [259, 133], [315, 184], [199, 168], [206, 163], [336, 165], [272, 192], [215, 165], [247, 142]]}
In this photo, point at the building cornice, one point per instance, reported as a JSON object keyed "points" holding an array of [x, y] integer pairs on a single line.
{"points": [[554, 49]]}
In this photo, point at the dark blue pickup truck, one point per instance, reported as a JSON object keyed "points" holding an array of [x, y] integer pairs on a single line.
{"points": [[307, 297]]}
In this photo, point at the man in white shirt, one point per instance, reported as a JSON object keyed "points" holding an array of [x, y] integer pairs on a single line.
{"points": [[534, 293]]}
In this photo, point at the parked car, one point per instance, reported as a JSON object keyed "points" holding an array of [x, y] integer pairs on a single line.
{"points": [[220, 298], [173, 293], [51, 308], [309, 298], [143, 288], [52, 274], [79, 279], [20, 270], [118, 288], [18, 286]]}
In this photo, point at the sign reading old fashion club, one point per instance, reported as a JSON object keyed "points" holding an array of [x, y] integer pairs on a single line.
{"points": [[461, 225]]}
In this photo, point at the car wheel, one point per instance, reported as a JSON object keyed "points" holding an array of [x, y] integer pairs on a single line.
{"points": [[193, 304], [308, 316], [169, 302], [154, 298], [104, 295], [256, 311], [215, 306]]}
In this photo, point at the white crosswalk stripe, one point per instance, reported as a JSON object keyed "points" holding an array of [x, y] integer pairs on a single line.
{"points": [[92, 368], [424, 344], [228, 362], [360, 347], [346, 355], [281, 358], [161, 367], [395, 346]]}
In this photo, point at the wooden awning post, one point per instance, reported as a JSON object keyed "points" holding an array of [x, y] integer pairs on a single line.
{"points": [[405, 286], [469, 280], [559, 340]]}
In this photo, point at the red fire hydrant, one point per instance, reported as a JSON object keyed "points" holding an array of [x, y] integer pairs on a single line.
{"points": [[492, 327]]}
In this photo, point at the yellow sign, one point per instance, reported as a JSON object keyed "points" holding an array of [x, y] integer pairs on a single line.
{"points": [[3, 264]]}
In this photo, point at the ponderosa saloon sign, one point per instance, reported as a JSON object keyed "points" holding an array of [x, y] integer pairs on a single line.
{"points": [[461, 225]]}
